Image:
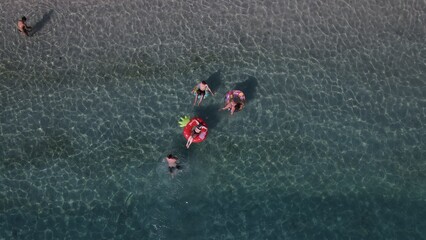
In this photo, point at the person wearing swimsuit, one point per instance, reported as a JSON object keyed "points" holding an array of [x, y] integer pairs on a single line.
{"points": [[195, 132], [200, 91], [23, 27], [172, 162], [233, 106]]}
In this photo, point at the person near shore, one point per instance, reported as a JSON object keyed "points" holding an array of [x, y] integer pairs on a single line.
{"points": [[200, 91], [23, 27]]}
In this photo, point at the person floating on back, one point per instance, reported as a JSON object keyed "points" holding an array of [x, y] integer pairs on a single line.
{"points": [[196, 132], [200, 91], [23, 27]]}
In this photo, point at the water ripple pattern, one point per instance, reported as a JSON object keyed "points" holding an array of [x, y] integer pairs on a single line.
{"points": [[331, 143]]}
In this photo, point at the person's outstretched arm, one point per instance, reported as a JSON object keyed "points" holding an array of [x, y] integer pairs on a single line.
{"points": [[227, 106], [208, 89]]}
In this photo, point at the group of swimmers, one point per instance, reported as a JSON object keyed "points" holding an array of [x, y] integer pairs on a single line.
{"points": [[234, 101]]}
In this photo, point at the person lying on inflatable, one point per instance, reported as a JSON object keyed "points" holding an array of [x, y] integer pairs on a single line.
{"points": [[234, 101], [233, 106], [195, 131]]}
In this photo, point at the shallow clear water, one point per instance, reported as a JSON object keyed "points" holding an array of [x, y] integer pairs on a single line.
{"points": [[331, 144]]}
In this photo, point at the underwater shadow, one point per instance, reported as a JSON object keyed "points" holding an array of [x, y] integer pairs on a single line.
{"points": [[214, 81], [40, 24], [209, 114], [248, 87], [178, 144]]}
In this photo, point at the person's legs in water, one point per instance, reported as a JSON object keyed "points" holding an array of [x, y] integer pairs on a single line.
{"points": [[173, 171], [189, 142], [202, 94], [196, 97], [198, 93], [201, 99]]}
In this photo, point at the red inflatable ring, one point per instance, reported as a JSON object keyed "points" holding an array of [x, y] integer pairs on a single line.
{"points": [[187, 130]]}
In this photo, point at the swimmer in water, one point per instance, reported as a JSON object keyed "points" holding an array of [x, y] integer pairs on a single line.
{"points": [[200, 90], [23, 27], [233, 106], [172, 162]]}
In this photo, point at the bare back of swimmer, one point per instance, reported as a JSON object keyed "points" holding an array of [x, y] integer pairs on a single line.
{"points": [[172, 162], [23, 27]]}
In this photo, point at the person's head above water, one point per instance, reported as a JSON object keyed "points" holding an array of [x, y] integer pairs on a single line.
{"points": [[170, 156], [203, 82], [24, 18], [198, 128], [238, 106]]}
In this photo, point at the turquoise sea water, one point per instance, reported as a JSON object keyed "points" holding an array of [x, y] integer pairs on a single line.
{"points": [[331, 144]]}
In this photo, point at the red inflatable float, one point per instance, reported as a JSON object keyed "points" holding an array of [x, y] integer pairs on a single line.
{"points": [[187, 130]]}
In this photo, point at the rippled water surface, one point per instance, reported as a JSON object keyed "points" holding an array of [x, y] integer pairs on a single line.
{"points": [[331, 143]]}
